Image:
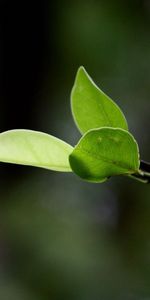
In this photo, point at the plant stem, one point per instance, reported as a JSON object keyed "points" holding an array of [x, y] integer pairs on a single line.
{"points": [[145, 167], [144, 172]]}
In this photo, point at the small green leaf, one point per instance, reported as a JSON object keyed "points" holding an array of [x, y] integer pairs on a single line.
{"points": [[27, 147], [91, 108], [105, 152]]}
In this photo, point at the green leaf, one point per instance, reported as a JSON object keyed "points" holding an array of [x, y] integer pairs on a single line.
{"points": [[27, 147], [91, 108], [105, 152]]}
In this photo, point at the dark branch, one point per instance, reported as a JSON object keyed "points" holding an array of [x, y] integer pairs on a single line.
{"points": [[142, 178], [145, 166], [144, 172]]}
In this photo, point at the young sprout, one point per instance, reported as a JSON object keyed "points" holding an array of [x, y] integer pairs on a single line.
{"points": [[106, 147]]}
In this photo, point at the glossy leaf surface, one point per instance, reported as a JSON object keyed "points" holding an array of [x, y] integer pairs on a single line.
{"points": [[91, 108]]}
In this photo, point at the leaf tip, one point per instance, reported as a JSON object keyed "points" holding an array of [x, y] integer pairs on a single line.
{"points": [[81, 72], [81, 69]]}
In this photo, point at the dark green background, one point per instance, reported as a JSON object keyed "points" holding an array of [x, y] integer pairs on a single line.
{"points": [[62, 238]]}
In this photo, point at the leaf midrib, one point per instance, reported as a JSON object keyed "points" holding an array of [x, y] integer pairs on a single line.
{"points": [[100, 104], [106, 160]]}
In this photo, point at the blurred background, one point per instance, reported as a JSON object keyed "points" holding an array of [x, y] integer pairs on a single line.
{"points": [[60, 237]]}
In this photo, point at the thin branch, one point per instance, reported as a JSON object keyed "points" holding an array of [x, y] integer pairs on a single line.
{"points": [[145, 167], [144, 172]]}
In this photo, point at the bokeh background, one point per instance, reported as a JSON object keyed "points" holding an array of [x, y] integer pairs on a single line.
{"points": [[60, 237]]}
